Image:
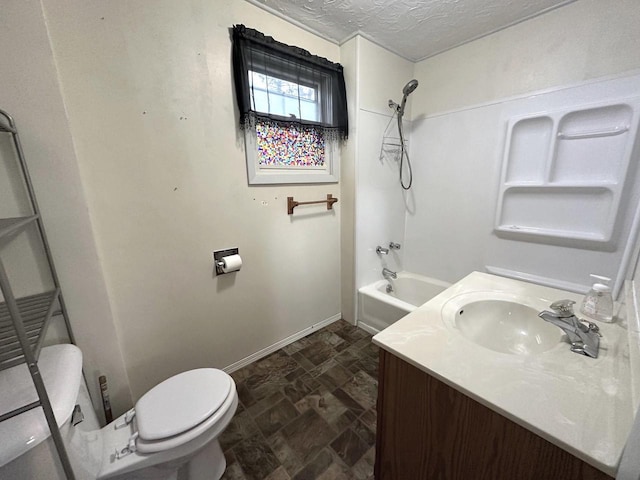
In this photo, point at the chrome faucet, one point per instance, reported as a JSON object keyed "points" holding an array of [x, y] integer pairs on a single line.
{"points": [[386, 273], [394, 246], [382, 251], [584, 338]]}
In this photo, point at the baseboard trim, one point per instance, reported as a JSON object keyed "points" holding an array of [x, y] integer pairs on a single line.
{"points": [[282, 343], [367, 328]]}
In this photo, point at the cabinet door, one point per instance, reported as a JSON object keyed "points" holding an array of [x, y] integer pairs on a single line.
{"points": [[428, 430]]}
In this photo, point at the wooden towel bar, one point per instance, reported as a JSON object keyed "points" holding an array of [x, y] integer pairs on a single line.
{"points": [[291, 203]]}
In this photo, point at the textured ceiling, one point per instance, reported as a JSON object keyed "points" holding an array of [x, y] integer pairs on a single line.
{"points": [[414, 29]]}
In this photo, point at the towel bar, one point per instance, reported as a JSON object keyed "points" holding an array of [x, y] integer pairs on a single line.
{"points": [[291, 203]]}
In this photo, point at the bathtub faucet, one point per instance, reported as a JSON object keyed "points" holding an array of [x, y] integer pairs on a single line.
{"points": [[386, 273], [382, 251], [394, 246]]}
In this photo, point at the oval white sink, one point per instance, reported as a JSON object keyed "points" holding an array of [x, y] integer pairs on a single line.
{"points": [[504, 324]]}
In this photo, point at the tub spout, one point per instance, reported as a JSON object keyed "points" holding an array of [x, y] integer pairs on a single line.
{"points": [[386, 273]]}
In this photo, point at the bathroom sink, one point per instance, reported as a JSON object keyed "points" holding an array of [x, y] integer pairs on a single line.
{"points": [[501, 322]]}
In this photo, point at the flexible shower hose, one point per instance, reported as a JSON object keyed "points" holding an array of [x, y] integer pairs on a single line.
{"points": [[403, 154]]}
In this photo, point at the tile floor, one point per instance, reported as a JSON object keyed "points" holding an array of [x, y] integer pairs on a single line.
{"points": [[307, 411]]}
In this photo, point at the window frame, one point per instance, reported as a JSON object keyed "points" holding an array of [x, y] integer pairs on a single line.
{"points": [[261, 174], [321, 89]]}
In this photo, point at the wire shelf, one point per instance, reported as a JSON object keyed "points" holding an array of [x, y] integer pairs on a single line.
{"points": [[24, 321], [7, 128], [10, 225], [36, 312]]}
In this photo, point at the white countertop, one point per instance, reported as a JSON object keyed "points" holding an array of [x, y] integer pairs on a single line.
{"points": [[578, 403]]}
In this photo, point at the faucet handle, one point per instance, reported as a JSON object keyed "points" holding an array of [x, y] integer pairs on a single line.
{"points": [[563, 307], [593, 328]]}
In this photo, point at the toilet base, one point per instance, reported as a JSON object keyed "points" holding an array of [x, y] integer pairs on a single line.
{"points": [[208, 464]]}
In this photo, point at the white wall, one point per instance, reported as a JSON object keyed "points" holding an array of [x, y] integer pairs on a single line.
{"points": [[381, 77], [583, 40], [380, 201], [31, 93], [457, 154], [349, 153], [148, 90]]}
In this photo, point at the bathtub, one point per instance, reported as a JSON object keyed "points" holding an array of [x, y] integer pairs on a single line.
{"points": [[378, 309]]}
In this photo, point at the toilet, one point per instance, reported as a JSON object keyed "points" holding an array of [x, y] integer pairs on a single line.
{"points": [[172, 431]]}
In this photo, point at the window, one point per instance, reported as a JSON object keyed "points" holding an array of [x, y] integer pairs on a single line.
{"points": [[289, 146], [284, 98], [292, 107]]}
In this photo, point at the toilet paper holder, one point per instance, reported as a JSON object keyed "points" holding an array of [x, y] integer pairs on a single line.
{"points": [[218, 255]]}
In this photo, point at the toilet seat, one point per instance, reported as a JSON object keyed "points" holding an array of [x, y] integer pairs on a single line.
{"points": [[181, 408], [181, 402]]}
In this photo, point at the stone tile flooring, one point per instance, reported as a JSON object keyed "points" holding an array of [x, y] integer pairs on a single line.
{"points": [[307, 411]]}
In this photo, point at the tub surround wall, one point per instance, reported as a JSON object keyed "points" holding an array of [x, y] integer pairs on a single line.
{"points": [[380, 201], [457, 185], [458, 139]]}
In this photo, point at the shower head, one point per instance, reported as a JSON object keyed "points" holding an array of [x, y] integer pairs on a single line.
{"points": [[406, 91], [410, 87]]}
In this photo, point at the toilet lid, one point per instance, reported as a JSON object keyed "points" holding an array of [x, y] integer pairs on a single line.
{"points": [[181, 402]]}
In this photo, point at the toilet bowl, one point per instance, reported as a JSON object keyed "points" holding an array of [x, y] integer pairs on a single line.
{"points": [[174, 425], [172, 432]]}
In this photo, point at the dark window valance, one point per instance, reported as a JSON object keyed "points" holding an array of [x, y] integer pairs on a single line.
{"points": [[287, 85]]}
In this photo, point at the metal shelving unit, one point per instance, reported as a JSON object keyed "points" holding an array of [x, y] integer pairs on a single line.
{"points": [[36, 311], [24, 321]]}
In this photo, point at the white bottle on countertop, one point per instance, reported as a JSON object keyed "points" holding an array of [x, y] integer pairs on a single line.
{"points": [[598, 303]]}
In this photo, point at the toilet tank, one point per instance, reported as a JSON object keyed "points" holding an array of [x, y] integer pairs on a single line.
{"points": [[61, 370]]}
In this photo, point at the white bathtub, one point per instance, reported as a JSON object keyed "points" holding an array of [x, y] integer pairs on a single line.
{"points": [[378, 309]]}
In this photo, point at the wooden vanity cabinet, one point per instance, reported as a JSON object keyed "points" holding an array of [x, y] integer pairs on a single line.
{"points": [[428, 430]]}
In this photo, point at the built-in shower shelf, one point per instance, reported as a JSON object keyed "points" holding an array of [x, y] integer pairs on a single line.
{"points": [[594, 134], [36, 312], [553, 233], [10, 225], [563, 174]]}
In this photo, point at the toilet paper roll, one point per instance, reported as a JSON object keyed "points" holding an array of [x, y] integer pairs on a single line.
{"points": [[231, 263]]}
